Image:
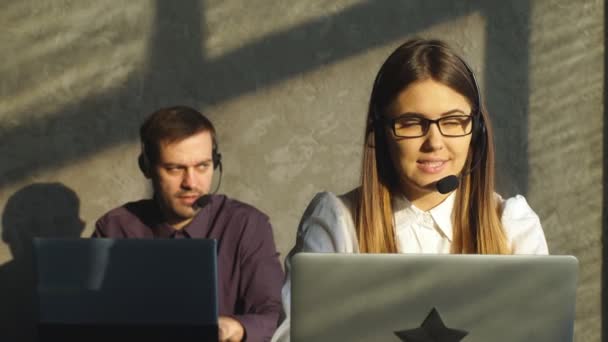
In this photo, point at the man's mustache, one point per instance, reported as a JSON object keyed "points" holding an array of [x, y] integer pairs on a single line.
{"points": [[188, 193]]}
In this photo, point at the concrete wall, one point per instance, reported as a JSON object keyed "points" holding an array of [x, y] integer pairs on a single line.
{"points": [[287, 84]]}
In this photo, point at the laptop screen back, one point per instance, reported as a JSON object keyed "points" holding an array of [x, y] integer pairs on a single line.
{"points": [[126, 287], [401, 297]]}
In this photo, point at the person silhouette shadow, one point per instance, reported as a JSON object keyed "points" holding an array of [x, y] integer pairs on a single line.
{"points": [[49, 210]]}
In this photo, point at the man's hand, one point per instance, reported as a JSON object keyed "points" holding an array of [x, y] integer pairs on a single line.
{"points": [[230, 330]]}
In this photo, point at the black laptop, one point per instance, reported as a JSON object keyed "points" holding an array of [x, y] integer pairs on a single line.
{"points": [[119, 289]]}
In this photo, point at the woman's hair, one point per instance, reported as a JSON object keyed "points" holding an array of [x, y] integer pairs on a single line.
{"points": [[476, 217]]}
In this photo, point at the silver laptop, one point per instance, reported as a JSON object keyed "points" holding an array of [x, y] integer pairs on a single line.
{"points": [[138, 289], [432, 298]]}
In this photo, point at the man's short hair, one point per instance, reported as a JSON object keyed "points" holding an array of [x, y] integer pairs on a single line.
{"points": [[168, 125]]}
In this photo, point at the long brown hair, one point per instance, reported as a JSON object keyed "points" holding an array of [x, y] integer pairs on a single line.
{"points": [[476, 217]]}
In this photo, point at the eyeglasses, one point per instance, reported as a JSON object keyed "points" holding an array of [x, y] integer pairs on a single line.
{"points": [[414, 126]]}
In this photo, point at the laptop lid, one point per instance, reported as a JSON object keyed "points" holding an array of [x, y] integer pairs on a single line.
{"points": [[418, 297], [125, 287]]}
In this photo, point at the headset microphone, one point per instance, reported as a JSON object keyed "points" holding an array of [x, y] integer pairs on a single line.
{"points": [[447, 184], [202, 201]]}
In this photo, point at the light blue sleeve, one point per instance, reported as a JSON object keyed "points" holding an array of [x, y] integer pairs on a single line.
{"points": [[326, 227]]}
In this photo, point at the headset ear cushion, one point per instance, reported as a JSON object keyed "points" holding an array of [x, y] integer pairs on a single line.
{"points": [[478, 129], [480, 138], [482, 132], [217, 159], [143, 165]]}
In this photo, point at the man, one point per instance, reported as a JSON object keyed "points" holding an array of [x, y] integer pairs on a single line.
{"points": [[179, 155]]}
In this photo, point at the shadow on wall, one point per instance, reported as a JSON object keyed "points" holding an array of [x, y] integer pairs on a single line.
{"points": [[178, 71], [37, 210]]}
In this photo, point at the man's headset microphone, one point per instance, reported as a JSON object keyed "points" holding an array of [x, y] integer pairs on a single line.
{"points": [[143, 161], [479, 133]]}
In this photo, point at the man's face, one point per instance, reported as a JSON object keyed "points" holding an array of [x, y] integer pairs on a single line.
{"points": [[183, 173]]}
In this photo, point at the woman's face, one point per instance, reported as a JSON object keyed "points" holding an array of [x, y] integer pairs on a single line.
{"points": [[422, 161]]}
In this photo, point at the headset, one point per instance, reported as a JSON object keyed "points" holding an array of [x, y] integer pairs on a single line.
{"points": [[143, 161], [479, 133]]}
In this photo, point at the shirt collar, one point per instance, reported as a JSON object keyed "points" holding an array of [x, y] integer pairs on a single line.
{"points": [[442, 215], [195, 229], [198, 228], [404, 211]]}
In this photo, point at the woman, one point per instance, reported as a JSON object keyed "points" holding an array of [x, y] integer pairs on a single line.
{"points": [[427, 178]]}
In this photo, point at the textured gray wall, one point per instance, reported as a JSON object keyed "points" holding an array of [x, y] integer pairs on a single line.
{"points": [[287, 84]]}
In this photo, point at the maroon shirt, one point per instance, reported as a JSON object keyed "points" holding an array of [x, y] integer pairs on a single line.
{"points": [[249, 273]]}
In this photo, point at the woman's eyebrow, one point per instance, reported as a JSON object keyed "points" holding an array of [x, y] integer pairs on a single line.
{"points": [[450, 112], [453, 111]]}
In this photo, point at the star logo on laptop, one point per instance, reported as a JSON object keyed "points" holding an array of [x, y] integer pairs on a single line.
{"points": [[431, 330]]}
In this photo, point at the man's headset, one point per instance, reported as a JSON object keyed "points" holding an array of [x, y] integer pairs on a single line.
{"points": [[143, 161], [479, 133]]}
